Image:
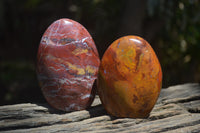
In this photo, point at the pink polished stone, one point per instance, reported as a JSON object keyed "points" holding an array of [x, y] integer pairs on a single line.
{"points": [[67, 65]]}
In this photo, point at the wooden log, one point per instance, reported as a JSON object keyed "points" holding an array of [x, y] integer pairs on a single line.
{"points": [[177, 109]]}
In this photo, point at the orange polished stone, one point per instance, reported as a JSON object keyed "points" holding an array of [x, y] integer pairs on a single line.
{"points": [[130, 78]]}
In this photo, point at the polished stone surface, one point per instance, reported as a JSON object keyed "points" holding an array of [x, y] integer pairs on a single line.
{"points": [[67, 65], [130, 78]]}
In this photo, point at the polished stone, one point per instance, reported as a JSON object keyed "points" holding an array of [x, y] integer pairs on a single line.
{"points": [[67, 65], [130, 78]]}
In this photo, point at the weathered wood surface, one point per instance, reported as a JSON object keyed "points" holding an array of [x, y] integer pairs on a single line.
{"points": [[177, 110]]}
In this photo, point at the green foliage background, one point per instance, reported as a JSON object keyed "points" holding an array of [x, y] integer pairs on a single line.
{"points": [[179, 39], [174, 34]]}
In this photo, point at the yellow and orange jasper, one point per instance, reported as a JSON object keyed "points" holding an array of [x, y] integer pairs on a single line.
{"points": [[67, 65], [130, 78]]}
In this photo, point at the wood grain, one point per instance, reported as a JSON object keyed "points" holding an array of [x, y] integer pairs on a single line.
{"points": [[177, 110]]}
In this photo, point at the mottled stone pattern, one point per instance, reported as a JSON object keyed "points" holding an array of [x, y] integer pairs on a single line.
{"points": [[130, 78], [67, 65]]}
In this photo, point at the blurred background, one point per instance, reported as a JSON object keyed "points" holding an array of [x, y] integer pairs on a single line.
{"points": [[172, 27]]}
